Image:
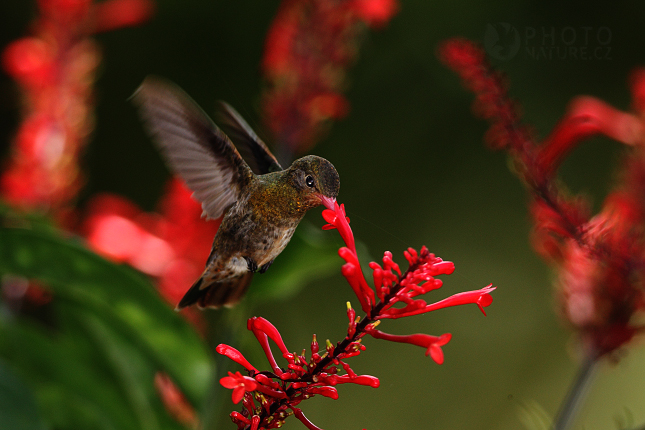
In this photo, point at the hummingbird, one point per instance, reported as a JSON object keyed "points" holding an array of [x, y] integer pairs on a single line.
{"points": [[261, 203]]}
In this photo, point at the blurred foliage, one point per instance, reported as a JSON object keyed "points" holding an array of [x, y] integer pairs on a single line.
{"points": [[93, 362], [18, 409]]}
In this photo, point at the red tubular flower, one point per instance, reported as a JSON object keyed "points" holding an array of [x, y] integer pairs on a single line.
{"points": [[235, 355], [481, 298], [335, 216], [432, 344], [260, 327], [423, 269], [367, 380]]}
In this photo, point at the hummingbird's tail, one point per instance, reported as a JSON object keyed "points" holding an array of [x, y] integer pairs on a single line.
{"points": [[216, 294]]}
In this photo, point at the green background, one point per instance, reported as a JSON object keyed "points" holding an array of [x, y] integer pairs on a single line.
{"points": [[414, 171]]}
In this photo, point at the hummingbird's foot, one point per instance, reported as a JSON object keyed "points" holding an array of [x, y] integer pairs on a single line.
{"points": [[266, 266], [251, 264]]}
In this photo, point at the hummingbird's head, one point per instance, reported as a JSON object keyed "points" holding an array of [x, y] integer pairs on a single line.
{"points": [[315, 179]]}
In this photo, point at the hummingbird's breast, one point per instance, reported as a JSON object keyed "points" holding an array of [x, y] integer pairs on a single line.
{"points": [[258, 226]]}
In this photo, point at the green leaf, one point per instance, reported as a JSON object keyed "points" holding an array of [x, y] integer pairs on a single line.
{"points": [[114, 328], [72, 386], [18, 408]]}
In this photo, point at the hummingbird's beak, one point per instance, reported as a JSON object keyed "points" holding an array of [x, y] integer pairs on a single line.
{"points": [[328, 202]]}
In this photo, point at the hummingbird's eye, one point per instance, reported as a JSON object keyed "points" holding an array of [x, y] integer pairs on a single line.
{"points": [[309, 180]]}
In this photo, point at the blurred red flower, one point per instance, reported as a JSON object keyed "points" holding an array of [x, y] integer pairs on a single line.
{"points": [[308, 49], [55, 69], [599, 258], [171, 246]]}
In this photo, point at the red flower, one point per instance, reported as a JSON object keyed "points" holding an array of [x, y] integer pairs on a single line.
{"points": [[599, 258], [55, 69], [308, 49], [235, 355], [432, 344], [239, 384], [170, 246], [284, 388], [391, 285]]}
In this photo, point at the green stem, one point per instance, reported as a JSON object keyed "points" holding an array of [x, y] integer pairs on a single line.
{"points": [[572, 402]]}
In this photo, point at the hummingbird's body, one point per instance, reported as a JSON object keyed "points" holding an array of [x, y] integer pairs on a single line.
{"points": [[261, 203]]}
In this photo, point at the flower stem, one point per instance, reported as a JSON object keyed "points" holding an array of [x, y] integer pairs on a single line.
{"points": [[572, 402], [344, 344]]}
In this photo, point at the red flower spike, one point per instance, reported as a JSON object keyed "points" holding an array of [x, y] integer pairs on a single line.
{"points": [[168, 245], [55, 69], [239, 384], [235, 355], [599, 257], [309, 48], [279, 391]]}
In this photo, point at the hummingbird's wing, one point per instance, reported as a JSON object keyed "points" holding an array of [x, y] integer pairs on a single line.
{"points": [[192, 145], [252, 148]]}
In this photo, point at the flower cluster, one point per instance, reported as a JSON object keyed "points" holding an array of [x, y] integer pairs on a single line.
{"points": [[269, 397], [55, 68], [308, 49], [170, 246], [598, 257]]}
